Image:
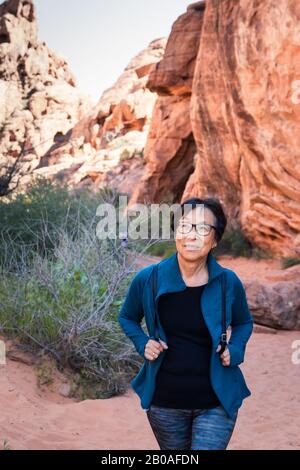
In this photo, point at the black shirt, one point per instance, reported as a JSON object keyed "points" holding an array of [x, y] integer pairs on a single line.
{"points": [[183, 379]]}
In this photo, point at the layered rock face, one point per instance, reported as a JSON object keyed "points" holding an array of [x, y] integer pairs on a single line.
{"points": [[170, 148], [106, 146], [245, 114], [56, 128], [212, 111], [230, 81], [39, 101]]}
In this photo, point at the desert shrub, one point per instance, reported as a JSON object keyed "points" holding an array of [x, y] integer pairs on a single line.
{"points": [[64, 296], [234, 243], [30, 220], [163, 248]]}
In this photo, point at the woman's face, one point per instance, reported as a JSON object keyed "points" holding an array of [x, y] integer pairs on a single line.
{"points": [[192, 245]]}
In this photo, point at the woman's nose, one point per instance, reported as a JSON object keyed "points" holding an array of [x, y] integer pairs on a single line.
{"points": [[192, 234]]}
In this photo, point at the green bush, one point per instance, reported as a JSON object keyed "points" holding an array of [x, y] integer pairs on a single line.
{"points": [[61, 286], [30, 220], [234, 243], [68, 306], [163, 248]]}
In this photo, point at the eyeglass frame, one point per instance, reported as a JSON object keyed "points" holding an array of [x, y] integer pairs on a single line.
{"points": [[195, 225]]}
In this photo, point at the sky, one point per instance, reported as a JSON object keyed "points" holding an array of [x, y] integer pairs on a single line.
{"points": [[98, 38]]}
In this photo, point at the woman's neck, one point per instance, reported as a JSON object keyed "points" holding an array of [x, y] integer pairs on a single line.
{"points": [[193, 272]]}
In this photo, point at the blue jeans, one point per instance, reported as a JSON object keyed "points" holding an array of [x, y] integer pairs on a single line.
{"points": [[196, 429]]}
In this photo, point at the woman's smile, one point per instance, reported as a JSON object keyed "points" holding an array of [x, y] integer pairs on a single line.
{"points": [[190, 246]]}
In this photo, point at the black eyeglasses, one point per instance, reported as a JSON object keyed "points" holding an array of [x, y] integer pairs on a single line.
{"points": [[201, 229]]}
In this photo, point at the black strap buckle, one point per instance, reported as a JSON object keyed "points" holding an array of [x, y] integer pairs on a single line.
{"points": [[224, 338]]}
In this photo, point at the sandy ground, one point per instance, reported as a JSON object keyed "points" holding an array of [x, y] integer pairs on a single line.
{"points": [[268, 419]]}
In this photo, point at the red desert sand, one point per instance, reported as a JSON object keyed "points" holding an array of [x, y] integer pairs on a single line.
{"points": [[269, 419]]}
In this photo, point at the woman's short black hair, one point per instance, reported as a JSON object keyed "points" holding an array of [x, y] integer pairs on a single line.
{"points": [[211, 203]]}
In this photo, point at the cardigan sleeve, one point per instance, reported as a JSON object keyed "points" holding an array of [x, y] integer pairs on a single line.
{"points": [[131, 314], [241, 324]]}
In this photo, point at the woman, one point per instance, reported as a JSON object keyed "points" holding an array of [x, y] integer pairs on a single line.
{"points": [[190, 392]]}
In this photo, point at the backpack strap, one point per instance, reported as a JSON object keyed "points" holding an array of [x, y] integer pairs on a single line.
{"points": [[223, 338], [154, 290]]}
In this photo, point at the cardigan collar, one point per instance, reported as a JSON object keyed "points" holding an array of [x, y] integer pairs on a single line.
{"points": [[170, 278]]}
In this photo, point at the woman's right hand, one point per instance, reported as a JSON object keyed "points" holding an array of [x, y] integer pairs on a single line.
{"points": [[153, 349]]}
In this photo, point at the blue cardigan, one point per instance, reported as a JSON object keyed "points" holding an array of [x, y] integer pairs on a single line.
{"points": [[227, 381]]}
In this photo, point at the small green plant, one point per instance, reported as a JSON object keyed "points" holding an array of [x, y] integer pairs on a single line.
{"points": [[164, 248], [289, 261], [125, 155], [259, 253], [234, 243], [168, 197], [140, 153], [44, 371], [84, 386]]}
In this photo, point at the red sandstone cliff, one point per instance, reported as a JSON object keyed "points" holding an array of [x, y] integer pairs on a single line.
{"points": [[214, 110], [238, 100]]}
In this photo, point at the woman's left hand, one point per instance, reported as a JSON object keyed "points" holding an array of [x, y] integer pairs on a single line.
{"points": [[225, 356]]}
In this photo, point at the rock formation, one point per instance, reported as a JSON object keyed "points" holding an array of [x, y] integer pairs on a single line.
{"points": [[233, 69], [39, 101], [106, 146], [246, 118], [276, 303], [212, 111], [272, 292], [170, 150]]}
